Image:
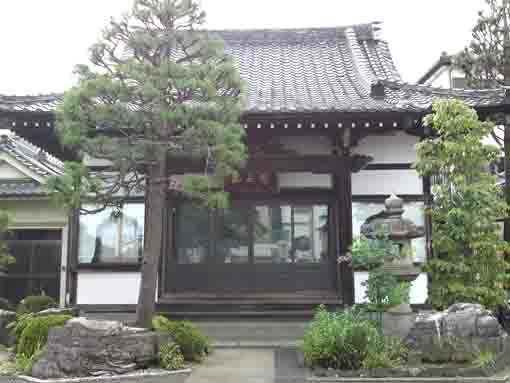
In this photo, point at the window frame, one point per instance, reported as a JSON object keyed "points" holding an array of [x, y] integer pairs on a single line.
{"points": [[110, 266], [292, 199]]}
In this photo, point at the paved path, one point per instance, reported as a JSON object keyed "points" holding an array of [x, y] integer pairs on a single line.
{"points": [[238, 365]]}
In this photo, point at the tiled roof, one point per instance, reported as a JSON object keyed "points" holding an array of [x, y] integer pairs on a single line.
{"points": [[343, 69], [31, 156], [325, 69], [409, 97], [17, 188], [41, 103]]}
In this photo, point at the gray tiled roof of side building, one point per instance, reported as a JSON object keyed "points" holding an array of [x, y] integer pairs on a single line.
{"points": [[18, 188], [32, 157]]}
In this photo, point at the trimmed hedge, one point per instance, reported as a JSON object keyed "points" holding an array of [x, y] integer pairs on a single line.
{"points": [[193, 344]]}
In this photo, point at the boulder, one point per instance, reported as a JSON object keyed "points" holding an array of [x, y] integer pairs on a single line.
{"points": [[72, 311], [90, 348], [5, 304], [457, 334], [6, 317]]}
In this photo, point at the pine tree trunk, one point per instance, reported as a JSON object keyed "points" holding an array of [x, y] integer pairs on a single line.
{"points": [[506, 234], [506, 138], [155, 200]]}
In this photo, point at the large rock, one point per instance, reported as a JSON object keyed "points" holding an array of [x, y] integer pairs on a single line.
{"points": [[72, 311], [89, 348], [457, 334]]}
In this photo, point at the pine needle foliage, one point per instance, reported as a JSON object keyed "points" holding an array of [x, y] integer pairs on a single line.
{"points": [[158, 86]]}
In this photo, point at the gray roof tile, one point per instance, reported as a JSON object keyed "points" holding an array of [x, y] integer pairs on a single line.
{"points": [[17, 188], [312, 70], [34, 158]]}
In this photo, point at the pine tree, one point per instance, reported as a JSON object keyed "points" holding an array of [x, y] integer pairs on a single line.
{"points": [[158, 87], [486, 64]]}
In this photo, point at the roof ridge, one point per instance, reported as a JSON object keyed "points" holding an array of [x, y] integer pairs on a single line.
{"points": [[424, 87], [49, 157], [25, 151], [30, 99], [372, 24]]}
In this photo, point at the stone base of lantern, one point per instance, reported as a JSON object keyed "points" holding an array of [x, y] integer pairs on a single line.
{"points": [[398, 324]]}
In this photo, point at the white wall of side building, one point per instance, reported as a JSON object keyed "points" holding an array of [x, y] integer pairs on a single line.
{"points": [[384, 182], [394, 147], [417, 295], [107, 288]]}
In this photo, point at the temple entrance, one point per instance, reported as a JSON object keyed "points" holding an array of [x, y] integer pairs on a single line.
{"points": [[252, 249]]}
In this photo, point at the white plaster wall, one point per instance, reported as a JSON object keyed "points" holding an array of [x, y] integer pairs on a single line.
{"points": [[304, 180], [34, 214], [441, 79], [92, 161], [395, 147], [418, 293], [9, 172], [406, 181], [307, 145], [103, 288]]}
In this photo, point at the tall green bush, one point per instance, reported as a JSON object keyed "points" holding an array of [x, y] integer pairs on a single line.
{"points": [[468, 265], [348, 341]]}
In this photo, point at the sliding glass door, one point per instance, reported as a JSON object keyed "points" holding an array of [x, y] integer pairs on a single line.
{"points": [[263, 248]]}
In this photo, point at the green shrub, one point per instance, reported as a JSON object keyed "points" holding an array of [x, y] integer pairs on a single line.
{"points": [[24, 363], [31, 332], [170, 357], [387, 353], [382, 289], [347, 341], [193, 344], [36, 303], [485, 359], [16, 327]]}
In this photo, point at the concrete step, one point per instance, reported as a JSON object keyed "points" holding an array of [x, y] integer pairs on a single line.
{"points": [[253, 333]]}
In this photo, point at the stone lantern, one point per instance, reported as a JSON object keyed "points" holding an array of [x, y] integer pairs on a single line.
{"points": [[401, 231]]}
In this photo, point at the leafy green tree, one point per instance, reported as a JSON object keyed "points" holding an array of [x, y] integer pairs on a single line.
{"points": [[6, 258], [159, 87], [469, 266], [486, 64]]}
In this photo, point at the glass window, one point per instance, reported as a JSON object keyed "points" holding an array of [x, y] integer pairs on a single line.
{"points": [[259, 234], [412, 210], [106, 237], [233, 243], [272, 242], [192, 233], [291, 234]]}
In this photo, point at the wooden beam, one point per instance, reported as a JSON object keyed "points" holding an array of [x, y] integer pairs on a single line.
{"points": [[293, 163]]}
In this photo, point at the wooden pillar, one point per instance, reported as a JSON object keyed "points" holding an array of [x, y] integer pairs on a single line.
{"points": [[343, 212], [427, 186]]}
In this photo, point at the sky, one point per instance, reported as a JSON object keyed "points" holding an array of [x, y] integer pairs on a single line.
{"points": [[42, 40]]}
